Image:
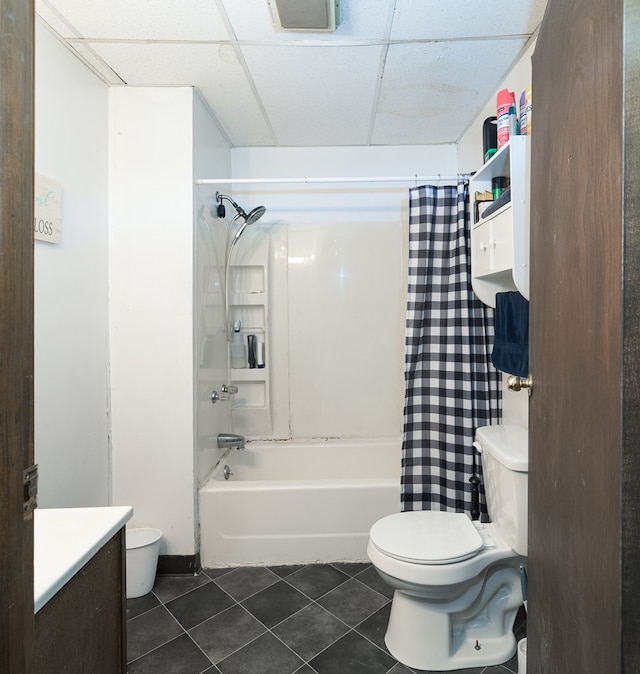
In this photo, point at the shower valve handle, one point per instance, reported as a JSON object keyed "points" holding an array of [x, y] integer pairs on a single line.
{"points": [[226, 390]]}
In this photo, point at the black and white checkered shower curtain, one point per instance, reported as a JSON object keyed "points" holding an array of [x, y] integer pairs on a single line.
{"points": [[451, 387]]}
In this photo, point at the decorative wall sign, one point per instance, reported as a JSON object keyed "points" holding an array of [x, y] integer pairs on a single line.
{"points": [[47, 221]]}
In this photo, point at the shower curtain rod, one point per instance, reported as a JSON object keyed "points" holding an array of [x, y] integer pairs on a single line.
{"points": [[377, 179]]}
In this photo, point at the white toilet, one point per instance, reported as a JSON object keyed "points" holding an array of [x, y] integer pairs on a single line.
{"points": [[457, 582]]}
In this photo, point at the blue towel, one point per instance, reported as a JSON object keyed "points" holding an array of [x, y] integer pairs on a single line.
{"points": [[511, 345]]}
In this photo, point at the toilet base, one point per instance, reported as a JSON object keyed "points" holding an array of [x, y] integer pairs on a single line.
{"points": [[422, 637]]}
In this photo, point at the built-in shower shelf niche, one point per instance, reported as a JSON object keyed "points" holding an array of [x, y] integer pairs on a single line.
{"points": [[247, 280], [252, 392], [252, 317], [248, 303]]}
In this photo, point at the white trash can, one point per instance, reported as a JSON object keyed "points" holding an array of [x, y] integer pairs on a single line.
{"points": [[522, 656], [143, 546]]}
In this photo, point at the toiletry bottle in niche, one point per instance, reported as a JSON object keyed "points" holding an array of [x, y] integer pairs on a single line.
{"points": [[251, 347], [238, 349]]}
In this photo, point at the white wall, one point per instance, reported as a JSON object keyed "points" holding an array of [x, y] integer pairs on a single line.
{"points": [[151, 227], [71, 312], [345, 276]]}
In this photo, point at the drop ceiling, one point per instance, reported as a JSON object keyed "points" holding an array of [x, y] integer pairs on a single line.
{"points": [[395, 72]]}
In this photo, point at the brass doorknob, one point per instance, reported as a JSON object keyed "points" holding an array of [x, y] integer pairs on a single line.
{"points": [[515, 383]]}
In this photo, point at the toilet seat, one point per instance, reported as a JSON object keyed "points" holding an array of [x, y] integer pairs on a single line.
{"points": [[427, 537]]}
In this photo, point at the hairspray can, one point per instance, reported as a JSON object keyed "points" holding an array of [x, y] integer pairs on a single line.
{"points": [[504, 101]]}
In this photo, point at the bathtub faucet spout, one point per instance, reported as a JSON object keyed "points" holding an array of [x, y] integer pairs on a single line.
{"points": [[230, 441]]}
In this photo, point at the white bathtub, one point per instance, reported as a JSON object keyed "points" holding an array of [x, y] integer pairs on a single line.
{"points": [[294, 503]]}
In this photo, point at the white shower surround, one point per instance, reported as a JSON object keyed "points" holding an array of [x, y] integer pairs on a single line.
{"points": [[298, 503], [335, 342], [338, 321]]}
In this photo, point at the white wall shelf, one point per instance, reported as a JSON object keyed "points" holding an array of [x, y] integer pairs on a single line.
{"points": [[500, 242]]}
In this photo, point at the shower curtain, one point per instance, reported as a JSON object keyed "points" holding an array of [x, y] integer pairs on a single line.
{"points": [[451, 387]]}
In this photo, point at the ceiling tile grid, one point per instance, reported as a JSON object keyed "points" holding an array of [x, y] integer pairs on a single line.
{"points": [[394, 72]]}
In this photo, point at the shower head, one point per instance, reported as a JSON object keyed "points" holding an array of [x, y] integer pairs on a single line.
{"points": [[255, 215], [249, 219]]}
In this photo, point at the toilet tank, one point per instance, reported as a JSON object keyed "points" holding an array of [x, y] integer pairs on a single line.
{"points": [[505, 466]]}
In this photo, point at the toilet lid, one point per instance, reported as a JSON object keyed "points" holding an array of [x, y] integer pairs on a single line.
{"points": [[427, 537]]}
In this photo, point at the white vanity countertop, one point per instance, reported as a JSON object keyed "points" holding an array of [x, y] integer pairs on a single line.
{"points": [[65, 539]]}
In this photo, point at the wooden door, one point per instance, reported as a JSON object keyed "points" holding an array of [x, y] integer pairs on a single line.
{"points": [[16, 332], [584, 513]]}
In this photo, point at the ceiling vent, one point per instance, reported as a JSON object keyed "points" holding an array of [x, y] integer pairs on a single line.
{"points": [[305, 15]]}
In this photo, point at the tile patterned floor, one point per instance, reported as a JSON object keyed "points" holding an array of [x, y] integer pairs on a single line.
{"points": [[313, 619]]}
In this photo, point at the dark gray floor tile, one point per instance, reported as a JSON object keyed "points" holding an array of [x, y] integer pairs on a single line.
{"points": [[352, 654], [167, 588], [180, 656], [371, 578], [352, 602], [314, 580], [521, 617], [264, 655], [520, 625], [512, 665], [310, 631], [275, 604], [200, 604], [216, 573], [302, 629], [226, 632], [375, 627], [150, 630], [139, 605], [285, 570], [246, 580], [399, 668], [351, 568]]}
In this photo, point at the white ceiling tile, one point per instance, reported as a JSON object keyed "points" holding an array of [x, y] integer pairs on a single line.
{"points": [[316, 96], [214, 69], [360, 20], [431, 92], [144, 19], [444, 19]]}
